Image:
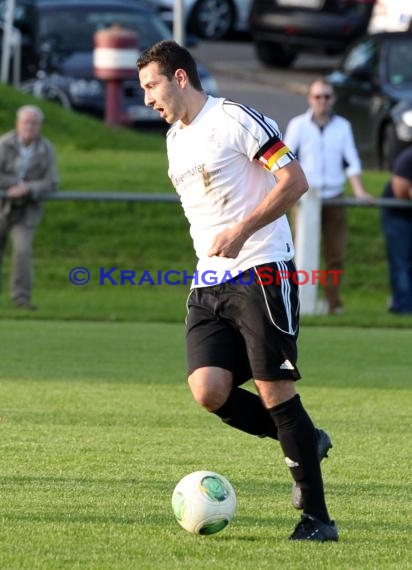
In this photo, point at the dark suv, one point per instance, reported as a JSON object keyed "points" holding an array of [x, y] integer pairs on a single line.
{"points": [[282, 28], [58, 37], [373, 85]]}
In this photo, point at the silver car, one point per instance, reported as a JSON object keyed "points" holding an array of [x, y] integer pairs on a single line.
{"points": [[209, 19]]}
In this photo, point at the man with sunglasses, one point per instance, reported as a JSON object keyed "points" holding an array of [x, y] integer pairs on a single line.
{"points": [[324, 145]]}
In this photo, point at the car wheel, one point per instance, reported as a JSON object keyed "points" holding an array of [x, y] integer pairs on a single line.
{"points": [[274, 55], [212, 19], [389, 147]]}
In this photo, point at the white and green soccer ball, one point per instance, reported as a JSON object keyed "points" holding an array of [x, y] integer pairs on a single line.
{"points": [[204, 502]]}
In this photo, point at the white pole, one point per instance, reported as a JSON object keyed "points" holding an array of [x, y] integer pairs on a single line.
{"points": [[179, 22], [16, 57], [7, 40], [307, 242]]}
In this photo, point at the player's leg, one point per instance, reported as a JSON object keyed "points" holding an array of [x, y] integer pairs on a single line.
{"points": [[269, 321], [218, 364], [297, 437]]}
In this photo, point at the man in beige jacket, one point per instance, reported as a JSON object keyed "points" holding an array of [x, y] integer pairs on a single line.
{"points": [[27, 174]]}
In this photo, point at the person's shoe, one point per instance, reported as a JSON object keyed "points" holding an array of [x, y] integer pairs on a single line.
{"points": [[324, 444], [311, 528]]}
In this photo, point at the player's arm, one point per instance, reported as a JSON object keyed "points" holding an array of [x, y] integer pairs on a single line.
{"points": [[290, 185]]}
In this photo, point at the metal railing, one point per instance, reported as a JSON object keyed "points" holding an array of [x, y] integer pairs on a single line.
{"points": [[375, 203], [85, 196]]}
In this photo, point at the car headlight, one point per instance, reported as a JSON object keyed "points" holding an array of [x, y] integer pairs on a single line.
{"points": [[407, 118], [86, 88]]}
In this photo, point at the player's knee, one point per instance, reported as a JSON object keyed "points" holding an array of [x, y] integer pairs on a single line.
{"points": [[204, 394], [208, 389]]}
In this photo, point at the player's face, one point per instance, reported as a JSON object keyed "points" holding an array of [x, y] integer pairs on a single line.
{"points": [[162, 95]]}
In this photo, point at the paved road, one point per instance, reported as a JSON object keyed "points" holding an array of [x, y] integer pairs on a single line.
{"points": [[280, 94]]}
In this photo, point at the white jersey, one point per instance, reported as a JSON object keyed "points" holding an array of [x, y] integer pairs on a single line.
{"points": [[222, 166]]}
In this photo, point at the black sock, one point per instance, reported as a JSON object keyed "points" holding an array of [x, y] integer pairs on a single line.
{"points": [[244, 410], [298, 440]]}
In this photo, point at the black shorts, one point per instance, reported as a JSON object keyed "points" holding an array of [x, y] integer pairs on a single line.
{"points": [[249, 329]]}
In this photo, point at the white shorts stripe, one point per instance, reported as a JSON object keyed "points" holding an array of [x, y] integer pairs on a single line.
{"points": [[285, 291]]}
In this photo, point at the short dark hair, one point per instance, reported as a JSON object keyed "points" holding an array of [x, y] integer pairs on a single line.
{"points": [[170, 56]]}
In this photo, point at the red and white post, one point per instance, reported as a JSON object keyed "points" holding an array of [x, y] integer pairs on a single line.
{"points": [[114, 60]]}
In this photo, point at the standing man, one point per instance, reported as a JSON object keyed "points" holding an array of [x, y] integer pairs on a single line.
{"points": [[324, 144], [236, 179], [27, 173], [397, 229]]}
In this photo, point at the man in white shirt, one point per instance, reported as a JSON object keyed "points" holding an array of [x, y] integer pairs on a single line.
{"points": [[236, 180], [324, 145]]}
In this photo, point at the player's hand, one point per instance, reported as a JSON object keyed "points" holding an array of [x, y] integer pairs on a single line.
{"points": [[228, 243]]}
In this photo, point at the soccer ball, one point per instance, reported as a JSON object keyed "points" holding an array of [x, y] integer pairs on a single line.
{"points": [[204, 502]]}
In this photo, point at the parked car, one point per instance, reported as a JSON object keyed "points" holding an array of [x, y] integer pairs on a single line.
{"points": [[374, 91], [58, 38], [281, 29], [390, 16], [209, 19]]}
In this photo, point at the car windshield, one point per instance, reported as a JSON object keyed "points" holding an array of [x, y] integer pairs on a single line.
{"points": [[73, 29], [400, 63], [363, 55]]}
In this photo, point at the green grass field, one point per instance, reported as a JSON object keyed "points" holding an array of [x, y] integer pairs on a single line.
{"points": [[97, 426]]}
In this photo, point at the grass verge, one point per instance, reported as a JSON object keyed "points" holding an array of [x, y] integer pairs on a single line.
{"points": [[97, 426]]}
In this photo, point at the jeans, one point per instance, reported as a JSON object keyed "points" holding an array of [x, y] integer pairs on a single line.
{"points": [[397, 230]]}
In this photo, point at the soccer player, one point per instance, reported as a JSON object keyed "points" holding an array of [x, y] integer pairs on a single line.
{"points": [[236, 179]]}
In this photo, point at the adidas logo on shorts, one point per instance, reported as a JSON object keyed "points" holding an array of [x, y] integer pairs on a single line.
{"points": [[287, 365]]}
